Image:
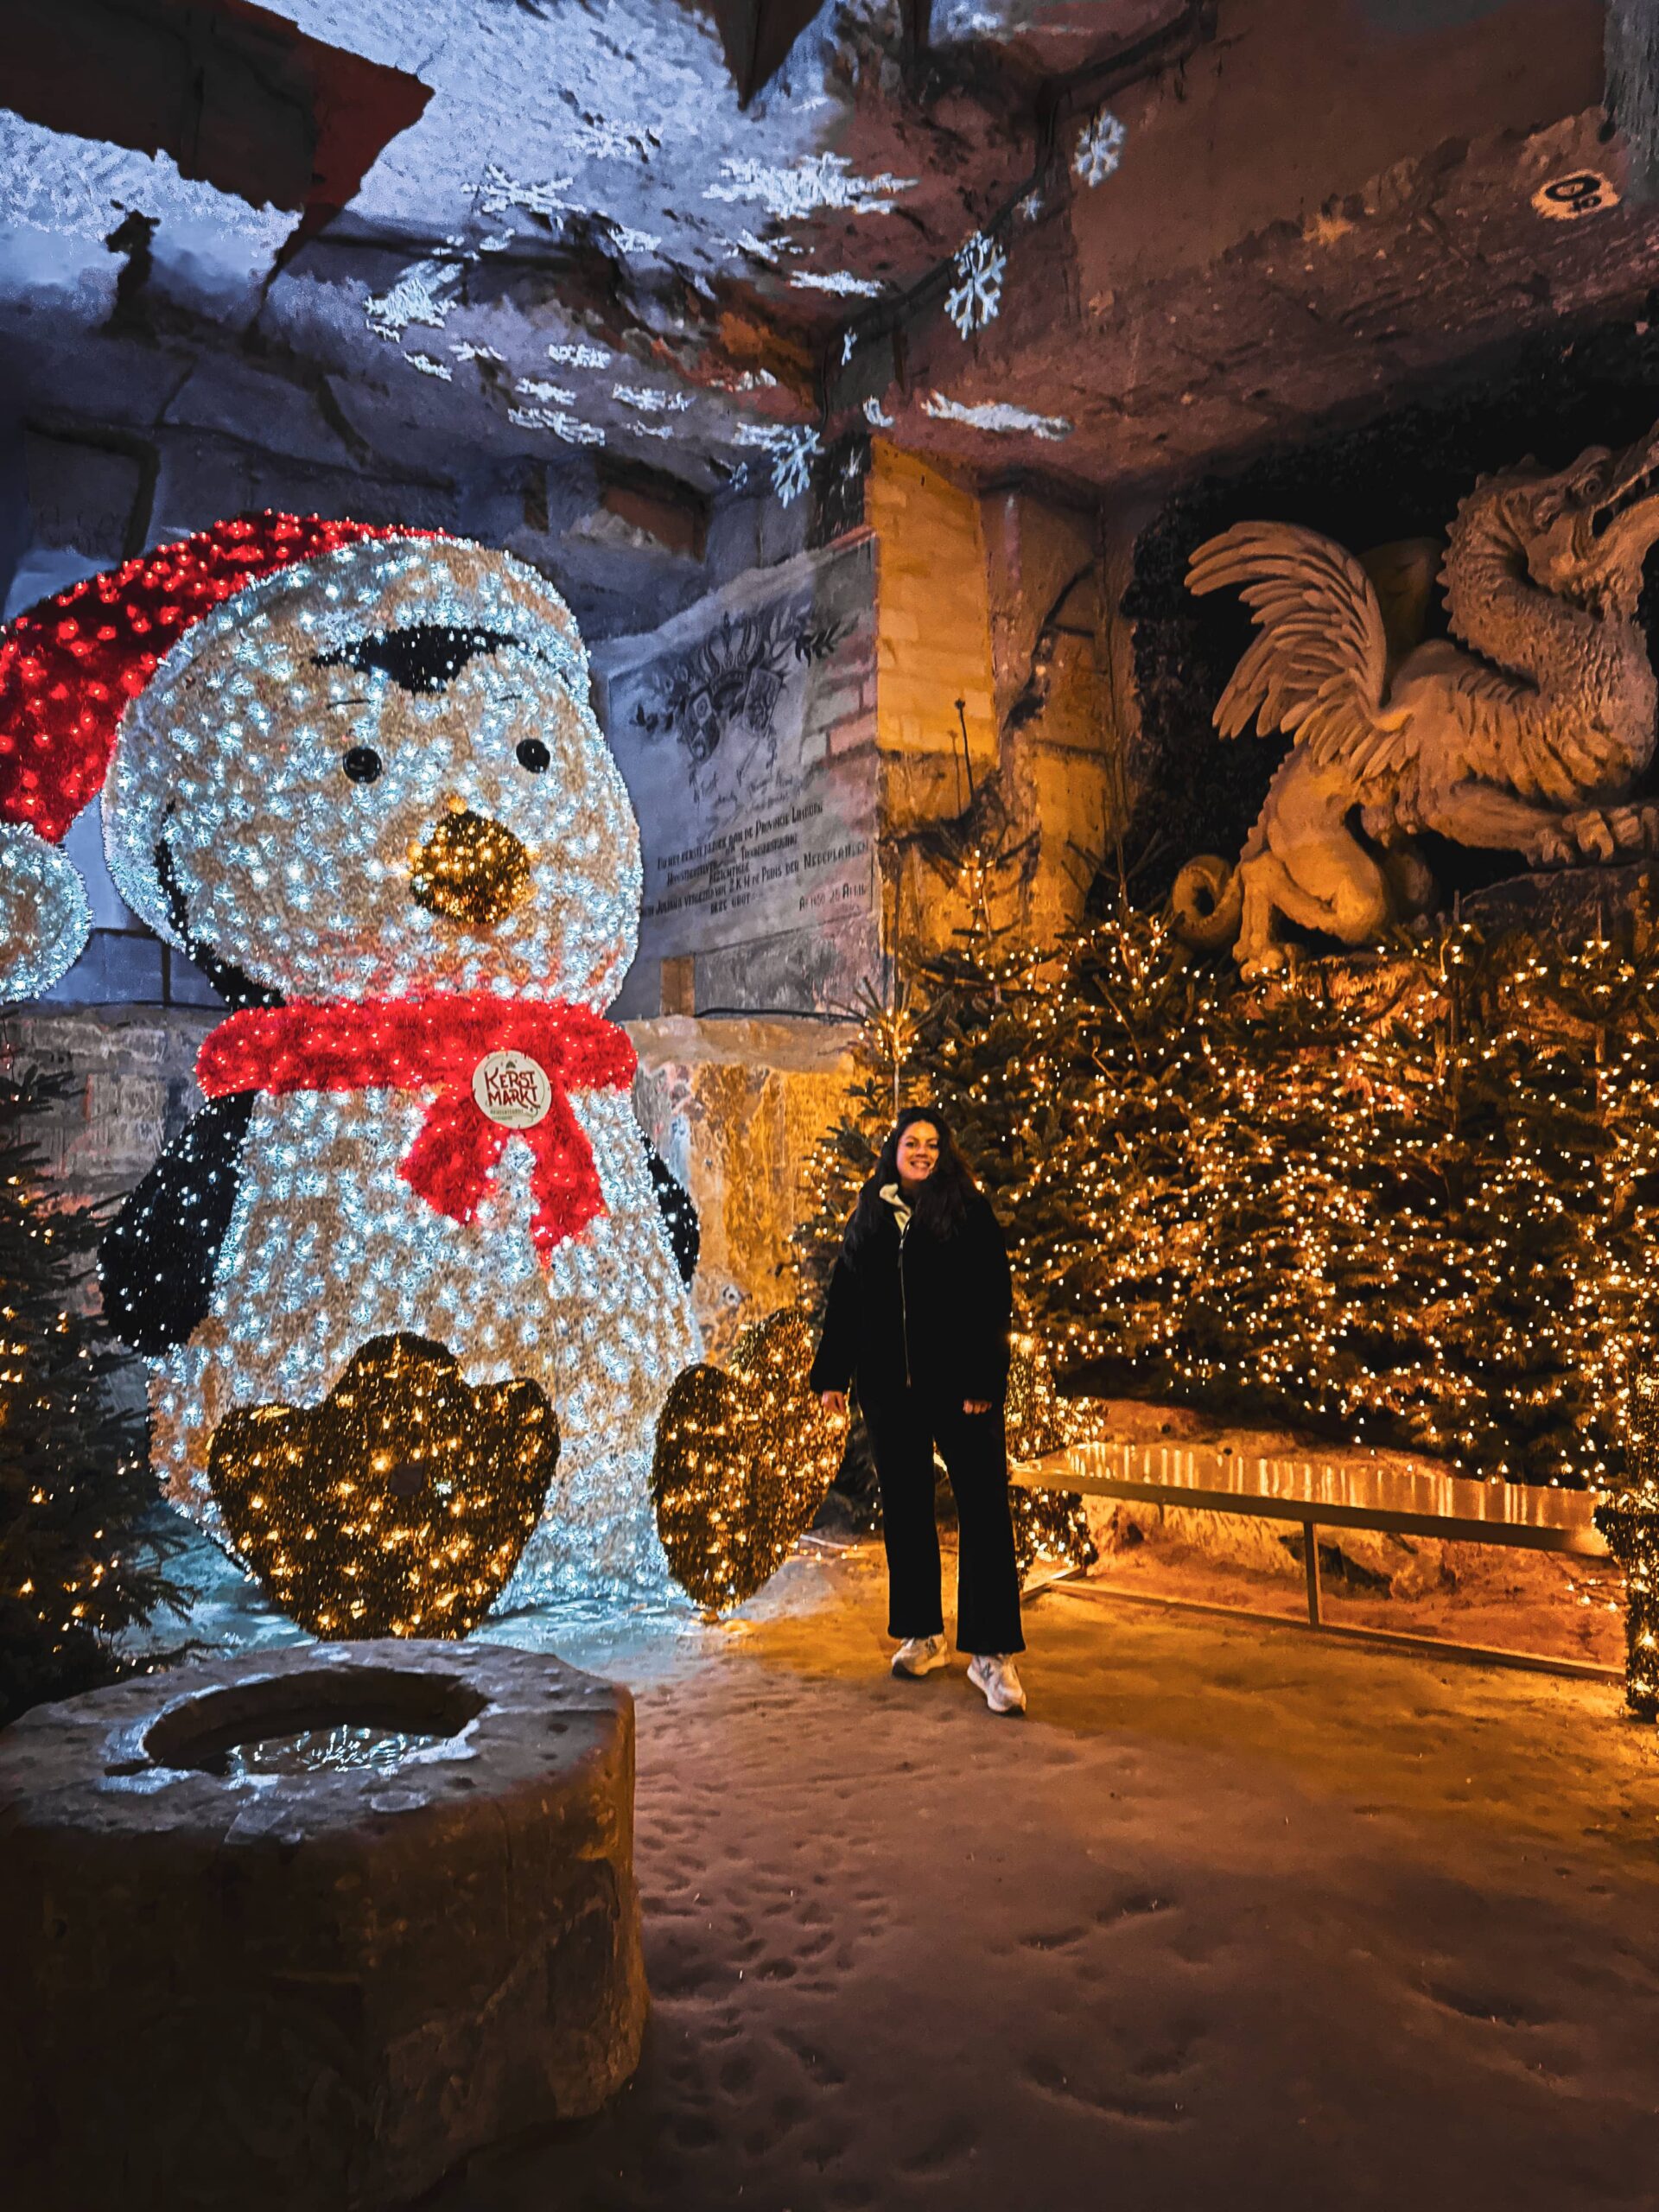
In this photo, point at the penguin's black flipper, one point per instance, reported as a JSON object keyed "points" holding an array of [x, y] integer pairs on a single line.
{"points": [[158, 1256], [679, 1213]]}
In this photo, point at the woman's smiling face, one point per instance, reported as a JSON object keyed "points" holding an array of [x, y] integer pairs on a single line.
{"points": [[917, 1154]]}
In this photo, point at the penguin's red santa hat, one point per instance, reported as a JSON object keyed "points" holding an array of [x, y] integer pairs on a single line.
{"points": [[70, 667]]}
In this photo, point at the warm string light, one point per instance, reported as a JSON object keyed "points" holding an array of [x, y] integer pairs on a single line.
{"points": [[78, 1560], [1408, 1200], [400, 1505], [746, 1455], [1048, 1523], [1629, 1521]]}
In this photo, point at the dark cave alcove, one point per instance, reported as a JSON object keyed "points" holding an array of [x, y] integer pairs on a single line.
{"points": [[1399, 476]]}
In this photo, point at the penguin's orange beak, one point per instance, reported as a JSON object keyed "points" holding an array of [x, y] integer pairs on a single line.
{"points": [[471, 870]]}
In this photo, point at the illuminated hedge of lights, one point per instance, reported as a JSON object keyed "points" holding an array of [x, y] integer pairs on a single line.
{"points": [[1409, 1198], [81, 1555], [1629, 1521]]}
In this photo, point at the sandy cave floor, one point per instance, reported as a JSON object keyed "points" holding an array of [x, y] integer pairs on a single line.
{"points": [[1235, 1916]]}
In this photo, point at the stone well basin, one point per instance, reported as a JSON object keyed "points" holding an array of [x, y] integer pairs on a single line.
{"points": [[302, 1928]]}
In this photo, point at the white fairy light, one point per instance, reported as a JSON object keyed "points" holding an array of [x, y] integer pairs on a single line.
{"points": [[44, 918]]}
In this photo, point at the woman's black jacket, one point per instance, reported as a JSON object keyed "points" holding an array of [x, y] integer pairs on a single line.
{"points": [[933, 1311]]}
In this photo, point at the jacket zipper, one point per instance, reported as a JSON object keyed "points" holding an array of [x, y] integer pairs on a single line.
{"points": [[904, 1308]]}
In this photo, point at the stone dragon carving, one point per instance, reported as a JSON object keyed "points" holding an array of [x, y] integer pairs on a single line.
{"points": [[1525, 732]]}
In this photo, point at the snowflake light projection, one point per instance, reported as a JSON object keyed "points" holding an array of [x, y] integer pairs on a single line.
{"points": [[423, 294], [996, 414], [839, 280], [1100, 148], [791, 449], [976, 299], [651, 399], [791, 464], [502, 192], [820, 181], [570, 427]]}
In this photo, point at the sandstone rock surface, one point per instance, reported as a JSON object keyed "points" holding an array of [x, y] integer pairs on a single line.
{"points": [[317, 1989]]}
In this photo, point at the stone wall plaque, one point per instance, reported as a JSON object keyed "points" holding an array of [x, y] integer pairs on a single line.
{"points": [[745, 729]]}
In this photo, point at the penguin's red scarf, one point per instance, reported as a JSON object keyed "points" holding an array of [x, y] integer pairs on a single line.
{"points": [[436, 1045]]}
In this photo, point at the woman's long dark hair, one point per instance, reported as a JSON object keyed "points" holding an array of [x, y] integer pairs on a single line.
{"points": [[940, 1205]]}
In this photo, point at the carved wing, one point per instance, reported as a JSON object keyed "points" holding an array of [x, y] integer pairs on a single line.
{"points": [[1320, 665]]}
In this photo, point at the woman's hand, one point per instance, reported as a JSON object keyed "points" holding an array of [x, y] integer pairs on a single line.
{"points": [[975, 1405], [833, 1402]]}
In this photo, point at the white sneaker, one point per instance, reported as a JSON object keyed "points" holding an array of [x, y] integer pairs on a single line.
{"points": [[992, 1672], [920, 1655]]}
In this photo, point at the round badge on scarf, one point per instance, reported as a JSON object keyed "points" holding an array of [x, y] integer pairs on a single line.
{"points": [[512, 1088]]}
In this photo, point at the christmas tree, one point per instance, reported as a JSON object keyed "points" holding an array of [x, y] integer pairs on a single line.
{"points": [[1405, 1198], [82, 1549]]}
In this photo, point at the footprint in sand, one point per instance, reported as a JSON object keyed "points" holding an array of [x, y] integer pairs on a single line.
{"points": [[1064, 2087], [1486, 2006], [1137, 1906], [823, 2071]]}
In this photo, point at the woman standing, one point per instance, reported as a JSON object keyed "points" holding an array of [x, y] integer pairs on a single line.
{"points": [[918, 1318]]}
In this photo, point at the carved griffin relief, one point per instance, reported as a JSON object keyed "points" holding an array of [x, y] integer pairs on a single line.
{"points": [[1526, 731]]}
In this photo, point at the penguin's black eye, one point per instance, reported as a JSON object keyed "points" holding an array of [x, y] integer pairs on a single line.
{"points": [[533, 755], [362, 764]]}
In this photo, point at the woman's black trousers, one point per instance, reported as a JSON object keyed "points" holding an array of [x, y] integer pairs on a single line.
{"points": [[904, 1429]]}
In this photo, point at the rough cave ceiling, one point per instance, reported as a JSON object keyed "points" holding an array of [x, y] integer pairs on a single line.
{"points": [[672, 247]]}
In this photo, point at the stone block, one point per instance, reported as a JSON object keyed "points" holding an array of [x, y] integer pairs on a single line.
{"points": [[238, 1980], [735, 1107], [135, 1086], [85, 496]]}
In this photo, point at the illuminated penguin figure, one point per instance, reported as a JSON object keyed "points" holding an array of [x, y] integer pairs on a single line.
{"points": [[413, 1277]]}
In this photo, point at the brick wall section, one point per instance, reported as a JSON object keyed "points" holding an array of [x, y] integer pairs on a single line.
{"points": [[735, 1108], [933, 634], [134, 1076]]}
